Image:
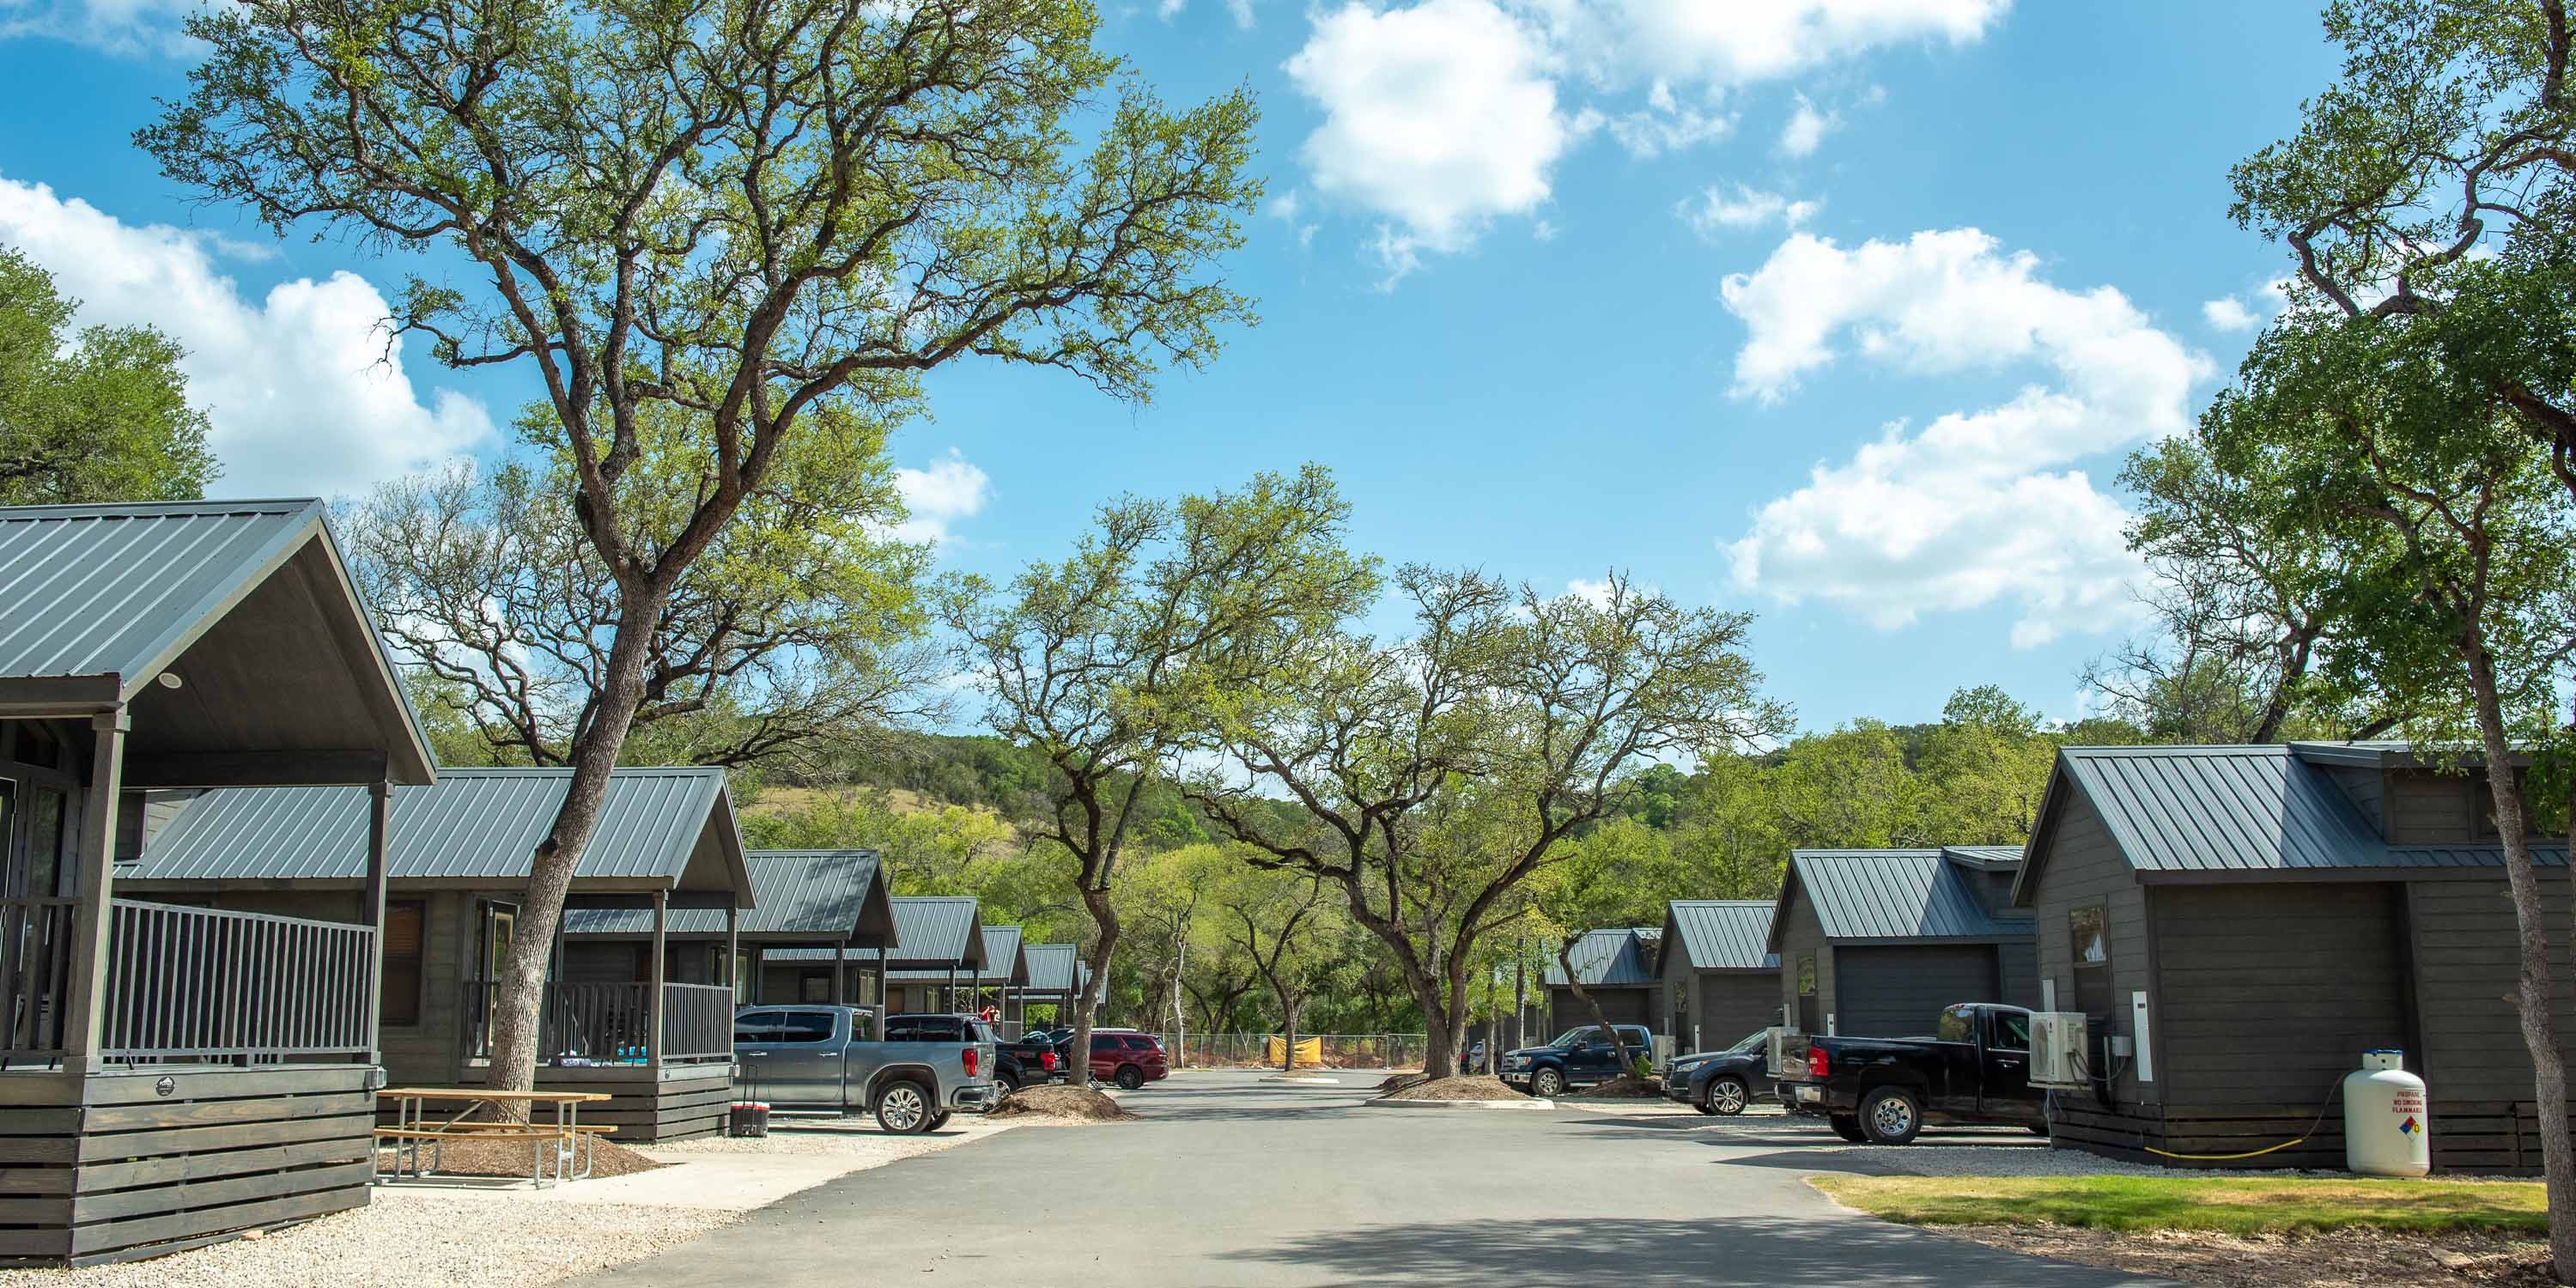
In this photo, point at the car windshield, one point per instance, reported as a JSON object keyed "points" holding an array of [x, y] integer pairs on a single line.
{"points": [[1752, 1042], [1575, 1037]]}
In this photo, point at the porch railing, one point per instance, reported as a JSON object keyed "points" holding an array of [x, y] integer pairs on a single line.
{"points": [[599, 1024], [35, 974], [232, 987]]}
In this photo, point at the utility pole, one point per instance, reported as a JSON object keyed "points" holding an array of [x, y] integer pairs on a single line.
{"points": [[1520, 993]]}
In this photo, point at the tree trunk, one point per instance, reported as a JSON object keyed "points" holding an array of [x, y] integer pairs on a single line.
{"points": [[519, 1000], [1087, 1004], [1520, 995], [1288, 1025], [2532, 990], [1600, 1017]]}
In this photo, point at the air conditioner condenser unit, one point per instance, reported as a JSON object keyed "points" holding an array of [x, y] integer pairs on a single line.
{"points": [[2059, 1050]]}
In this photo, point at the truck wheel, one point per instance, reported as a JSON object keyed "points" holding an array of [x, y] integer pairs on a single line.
{"points": [[1010, 1082], [940, 1119], [1891, 1116], [1847, 1127], [1547, 1084], [1726, 1096], [1130, 1077], [903, 1108]]}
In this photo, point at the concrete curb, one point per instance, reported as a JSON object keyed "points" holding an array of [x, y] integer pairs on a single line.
{"points": [[1303, 1080], [1386, 1102]]}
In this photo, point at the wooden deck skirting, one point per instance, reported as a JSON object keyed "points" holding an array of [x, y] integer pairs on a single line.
{"points": [[112, 1166], [2498, 1138], [674, 1102]]}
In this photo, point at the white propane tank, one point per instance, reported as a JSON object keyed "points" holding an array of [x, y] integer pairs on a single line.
{"points": [[2386, 1129]]}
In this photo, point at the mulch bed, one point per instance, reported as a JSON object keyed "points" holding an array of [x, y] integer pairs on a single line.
{"points": [[2340, 1259], [1070, 1103], [1471, 1087], [512, 1157], [1620, 1088]]}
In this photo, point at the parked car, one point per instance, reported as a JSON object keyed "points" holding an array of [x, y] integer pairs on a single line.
{"points": [[1127, 1057], [1974, 1069], [1031, 1059], [1473, 1058], [1723, 1082], [924, 1068], [1579, 1057]]}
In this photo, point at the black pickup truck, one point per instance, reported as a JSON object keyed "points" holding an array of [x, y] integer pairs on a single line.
{"points": [[1033, 1059], [1975, 1069]]}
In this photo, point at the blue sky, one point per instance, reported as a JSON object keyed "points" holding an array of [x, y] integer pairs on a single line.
{"points": [[1844, 311]]}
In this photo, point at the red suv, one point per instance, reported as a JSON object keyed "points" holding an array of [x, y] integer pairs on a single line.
{"points": [[1128, 1058]]}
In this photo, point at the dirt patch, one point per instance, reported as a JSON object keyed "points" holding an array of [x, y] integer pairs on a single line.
{"points": [[1470, 1087], [470, 1157], [2341, 1259], [1622, 1087], [1074, 1104], [1401, 1079]]}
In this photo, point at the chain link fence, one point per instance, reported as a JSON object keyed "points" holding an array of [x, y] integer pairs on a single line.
{"points": [[1339, 1050]]}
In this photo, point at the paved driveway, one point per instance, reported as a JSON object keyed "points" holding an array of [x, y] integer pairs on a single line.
{"points": [[1232, 1182]]}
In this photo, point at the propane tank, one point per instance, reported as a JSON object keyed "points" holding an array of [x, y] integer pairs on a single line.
{"points": [[2386, 1128]]}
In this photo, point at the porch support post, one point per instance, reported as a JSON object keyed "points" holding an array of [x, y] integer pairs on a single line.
{"points": [[82, 1017], [885, 991], [733, 954], [840, 973], [380, 798], [653, 1001]]}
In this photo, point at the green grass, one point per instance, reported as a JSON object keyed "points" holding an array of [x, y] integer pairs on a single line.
{"points": [[2225, 1205]]}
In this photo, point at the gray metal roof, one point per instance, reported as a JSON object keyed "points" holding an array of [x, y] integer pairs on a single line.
{"points": [[122, 590], [1053, 967], [798, 894], [1720, 934], [1890, 894], [1992, 857], [1003, 962], [933, 931], [471, 825], [2235, 809], [1609, 959]]}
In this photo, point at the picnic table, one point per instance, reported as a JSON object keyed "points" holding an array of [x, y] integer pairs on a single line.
{"points": [[563, 1137]]}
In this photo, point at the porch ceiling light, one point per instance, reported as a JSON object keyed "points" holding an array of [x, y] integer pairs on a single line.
{"points": [[168, 679]]}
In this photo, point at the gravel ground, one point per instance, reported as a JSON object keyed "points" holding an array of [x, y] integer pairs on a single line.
{"points": [[840, 1136], [2343, 1259], [1471, 1087], [462, 1242]]}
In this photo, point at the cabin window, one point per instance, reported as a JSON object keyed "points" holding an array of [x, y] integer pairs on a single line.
{"points": [[406, 938], [817, 988], [2088, 935], [1807, 976]]}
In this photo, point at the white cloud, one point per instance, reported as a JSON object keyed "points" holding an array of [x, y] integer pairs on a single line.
{"points": [[303, 393], [1979, 506], [2228, 313], [1807, 128], [1441, 116], [127, 28], [1543, 231], [1719, 211], [1241, 10], [951, 489]]}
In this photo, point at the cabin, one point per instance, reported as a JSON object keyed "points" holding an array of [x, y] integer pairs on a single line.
{"points": [[622, 1023], [1057, 974], [1874, 943], [1719, 978], [1616, 967], [175, 1075], [2240, 923], [820, 899], [937, 942], [1005, 968]]}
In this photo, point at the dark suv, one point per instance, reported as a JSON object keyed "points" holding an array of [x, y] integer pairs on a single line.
{"points": [[1127, 1057]]}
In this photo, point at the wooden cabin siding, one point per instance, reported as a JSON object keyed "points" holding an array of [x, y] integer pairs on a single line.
{"points": [[1804, 936], [111, 1168], [2425, 808], [2269, 993], [1899, 990], [2084, 869], [1624, 1005], [2466, 964], [1733, 1003], [2018, 963]]}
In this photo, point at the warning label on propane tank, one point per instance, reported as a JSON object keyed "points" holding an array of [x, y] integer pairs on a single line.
{"points": [[2407, 1102]]}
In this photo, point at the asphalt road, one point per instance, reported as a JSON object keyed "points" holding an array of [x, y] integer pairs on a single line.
{"points": [[1232, 1182]]}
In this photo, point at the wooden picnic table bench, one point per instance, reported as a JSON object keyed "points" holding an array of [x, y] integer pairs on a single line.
{"points": [[567, 1135]]}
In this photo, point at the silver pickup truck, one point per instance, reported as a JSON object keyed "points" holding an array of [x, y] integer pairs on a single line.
{"points": [[921, 1070]]}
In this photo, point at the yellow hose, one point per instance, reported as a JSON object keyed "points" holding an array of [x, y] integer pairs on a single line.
{"points": [[2218, 1158]]}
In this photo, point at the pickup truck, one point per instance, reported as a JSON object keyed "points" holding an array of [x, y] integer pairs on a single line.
{"points": [[1579, 1057], [1975, 1069], [924, 1068], [1033, 1059]]}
